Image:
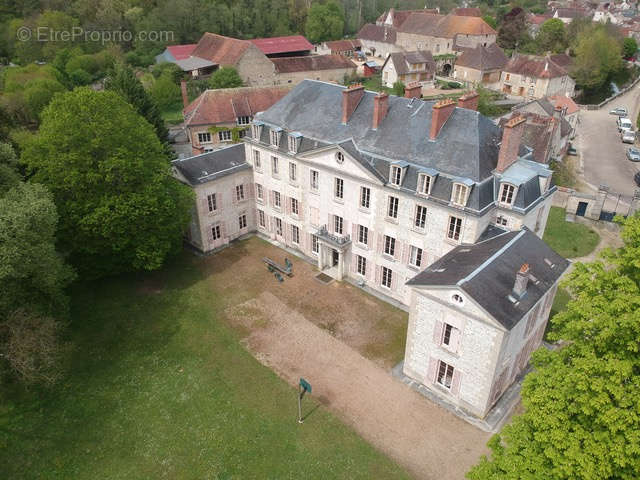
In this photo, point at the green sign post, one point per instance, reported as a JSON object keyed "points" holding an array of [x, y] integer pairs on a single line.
{"points": [[303, 387]]}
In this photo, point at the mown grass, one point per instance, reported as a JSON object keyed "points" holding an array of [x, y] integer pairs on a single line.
{"points": [[160, 387], [571, 240]]}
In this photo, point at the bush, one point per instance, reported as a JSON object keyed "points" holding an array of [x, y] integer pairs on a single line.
{"points": [[169, 69], [165, 92]]}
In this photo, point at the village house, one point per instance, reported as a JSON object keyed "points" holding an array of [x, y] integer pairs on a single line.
{"points": [[211, 119], [346, 47], [407, 67], [535, 77], [289, 46], [327, 68], [480, 65], [568, 15], [374, 189], [181, 55], [378, 40]]}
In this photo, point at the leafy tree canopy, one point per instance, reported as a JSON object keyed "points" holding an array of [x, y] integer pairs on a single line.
{"points": [[165, 92], [120, 209], [598, 55], [325, 22], [552, 36], [225, 77], [629, 47]]}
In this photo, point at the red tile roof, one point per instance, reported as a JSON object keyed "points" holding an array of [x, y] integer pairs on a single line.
{"points": [[343, 45], [483, 58], [225, 51], [223, 106], [445, 26], [292, 43], [468, 12], [181, 52], [311, 63], [564, 101], [377, 33], [538, 67]]}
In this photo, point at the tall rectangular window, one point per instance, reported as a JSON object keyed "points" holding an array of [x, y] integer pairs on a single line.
{"points": [[212, 202], [445, 374], [204, 137], [365, 197], [278, 227], [389, 245], [396, 175], [239, 192], [386, 277], [256, 160], [506, 194], [215, 232], [295, 234], [339, 188], [275, 138], [259, 192], [274, 166], [224, 135], [363, 234], [293, 173], [261, 219], [277, 199], [459, 194], [315, 248], [392, 208], [415, 256], [294, 206], [293, 144], [242, 221], [314, 179], [455, 226], [421, 217], [361, 265], [337, 224], [424, 184]]}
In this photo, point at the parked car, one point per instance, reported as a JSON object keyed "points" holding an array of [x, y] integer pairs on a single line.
{"points": [[624, 124], [628, 136], [633, 154], [636, 177], [620, 111]]}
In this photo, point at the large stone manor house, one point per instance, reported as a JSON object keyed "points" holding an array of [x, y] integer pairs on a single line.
{"points": [[428, 204]]}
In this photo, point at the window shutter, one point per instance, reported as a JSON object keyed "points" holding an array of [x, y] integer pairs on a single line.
{"points": [[345, 226], [354, 263], [300, 210], [380, 246], [354, 233], [378, 274], [330, 224], [454, 342], [210, 234], [287, 205], [406, 248], [370, 238], [455, 381], [398, 251], [394, 281], [223, 229], [433, 370], [310, 242], [234, 196], [370, 270], [251, 190], [437, 332], [287, 233], [219, 201], [302, 240], [204, 205]]}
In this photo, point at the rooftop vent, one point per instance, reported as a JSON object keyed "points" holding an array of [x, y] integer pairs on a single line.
{"points": [[522, 278]]}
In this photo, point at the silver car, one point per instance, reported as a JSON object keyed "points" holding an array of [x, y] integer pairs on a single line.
{"points": [[628, 136], [633, 154], [620, 111]]}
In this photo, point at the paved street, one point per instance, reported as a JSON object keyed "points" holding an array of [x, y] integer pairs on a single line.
{"points": [[603, 153]]}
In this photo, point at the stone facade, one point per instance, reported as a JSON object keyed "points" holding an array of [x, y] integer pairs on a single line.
{"points": [[255, 68]]}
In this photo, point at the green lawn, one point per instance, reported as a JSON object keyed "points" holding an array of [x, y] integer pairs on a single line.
{"points": [[160, 387], [570, 240]]}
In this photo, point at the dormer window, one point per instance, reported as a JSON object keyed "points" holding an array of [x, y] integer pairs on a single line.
{"points": [[459, 194], [424, 184], [396, 175], [275, 137], [256, 130], [293, 143], [507, 194], [244, 120]]}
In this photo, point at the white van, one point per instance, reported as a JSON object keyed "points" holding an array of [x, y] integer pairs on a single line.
{"points": [[624, 124]]}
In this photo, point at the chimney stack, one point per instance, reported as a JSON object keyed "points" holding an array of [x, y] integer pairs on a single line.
{"points": [[185, 97], [439, 115], [511, 136], [350, 98], [380, 107], [522, 278], [469, 101], [413, 90]]}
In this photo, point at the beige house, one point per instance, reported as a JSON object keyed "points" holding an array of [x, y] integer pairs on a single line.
{"points": [[327, 68], [480, 65], [407, 67], [532, 77], [226, 110]]}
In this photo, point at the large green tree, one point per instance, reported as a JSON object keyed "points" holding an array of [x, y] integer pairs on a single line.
{"points": [[325, 21], [582, 416], [598, 55], [122, 80], [629, 47], [552, 36], [225, 77], [119, 206]]}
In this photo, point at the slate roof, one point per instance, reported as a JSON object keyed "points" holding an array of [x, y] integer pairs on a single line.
{"points": [[445, 26], [225, 51], [403, 60], [486, 271], [274, 45], [225, 105], [537, 67], [311, 63], [377, 33], [570, 13], [343, 45], [212, 165], [399, 16], [483, 58], [193, 63]]}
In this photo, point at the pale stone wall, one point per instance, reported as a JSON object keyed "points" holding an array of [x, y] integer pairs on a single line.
{"points": [[255, 69], [472, 41], [333, 75], [389, 74], [411, 42], [382, 50], [199, 147], [531, 87], [466, 74]]}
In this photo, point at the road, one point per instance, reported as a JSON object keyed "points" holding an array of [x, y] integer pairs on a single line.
{"points": [[603, 154]]}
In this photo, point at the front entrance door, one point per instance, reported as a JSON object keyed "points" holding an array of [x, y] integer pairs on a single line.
{"points": [[335, 258]]}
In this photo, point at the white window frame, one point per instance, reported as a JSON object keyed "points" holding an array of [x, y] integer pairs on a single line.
{"points": [[314, 180], [393, 205], [338, 188], [361, 265], [278, 226], [277, 199], [363, 235], [455, 233], [274, 138], [242, 221], [259, 192], [256, 130], [224, 135], [315, 245], [424, 180], [507, 194], [338, 224], [295, 234], [386, 277], [502, 221], [202, 136], [295, 206], [420, 217], [216, 232], [240, 193], [444, 374], [365, 197], [416, 256], [275, 166], [212, 202], [459, 193], [293, 172], [292, 144], [243, 120], [261, 219], [257, 162], [395, 175], [389, 247]]}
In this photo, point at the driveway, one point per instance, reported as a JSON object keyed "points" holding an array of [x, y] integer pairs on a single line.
{"points": [[603, 153]]}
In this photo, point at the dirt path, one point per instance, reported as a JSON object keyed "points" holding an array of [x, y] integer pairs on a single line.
{"points": [[428, 441]]}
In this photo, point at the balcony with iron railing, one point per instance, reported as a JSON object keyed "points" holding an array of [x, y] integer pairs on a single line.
{"points": [[335, 240]]}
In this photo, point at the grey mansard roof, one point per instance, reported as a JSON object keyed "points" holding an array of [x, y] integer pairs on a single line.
{"points": [[486, 271], [466, 147], [212, 165]]}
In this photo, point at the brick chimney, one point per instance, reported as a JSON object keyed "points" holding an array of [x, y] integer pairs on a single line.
{"points": [[439, 115], [380, 107], [522, 279], [185, 97], [413, 90], [511, 136], [469, 101], [350, 98]]}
